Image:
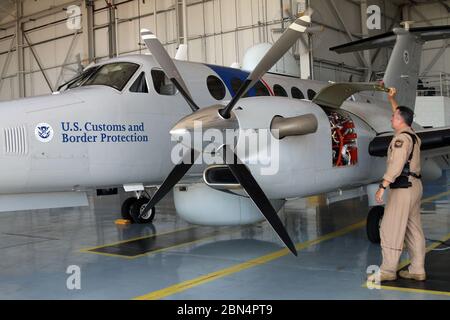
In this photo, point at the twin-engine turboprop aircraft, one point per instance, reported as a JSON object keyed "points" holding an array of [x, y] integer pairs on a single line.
{"points": [[118, 123]]}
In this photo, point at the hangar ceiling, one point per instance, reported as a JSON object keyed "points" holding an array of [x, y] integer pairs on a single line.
{"points": [[216, 31]]}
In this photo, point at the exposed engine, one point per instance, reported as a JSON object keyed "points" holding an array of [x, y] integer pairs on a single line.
{"points": [[343, 138]]}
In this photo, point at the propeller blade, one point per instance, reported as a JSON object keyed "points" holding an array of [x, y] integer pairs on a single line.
{"points": [[276, 52], [167, 64], [254, 191], [172, 179]]}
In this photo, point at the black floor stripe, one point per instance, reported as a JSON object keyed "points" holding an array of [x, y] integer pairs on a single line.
{"points": [[438, 274], [153, 243]]}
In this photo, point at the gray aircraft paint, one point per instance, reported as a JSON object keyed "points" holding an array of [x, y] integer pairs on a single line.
{"points": [[403, 68], [54, 166]]}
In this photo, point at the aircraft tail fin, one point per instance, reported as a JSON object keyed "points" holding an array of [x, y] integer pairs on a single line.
{"points": [[404, 65]]}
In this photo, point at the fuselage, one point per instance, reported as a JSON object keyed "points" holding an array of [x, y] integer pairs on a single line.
{"points": [[94, 136]]}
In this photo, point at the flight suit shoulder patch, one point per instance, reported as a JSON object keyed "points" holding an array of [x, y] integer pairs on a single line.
{"points": [[398, 143]]}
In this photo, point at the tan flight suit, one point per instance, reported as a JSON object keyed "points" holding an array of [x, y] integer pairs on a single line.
{"points": [[401, 222]]}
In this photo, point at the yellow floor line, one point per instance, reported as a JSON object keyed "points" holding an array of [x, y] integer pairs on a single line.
{"points": [[429, 248], [405, 263], [185, 285], [179, 287], [408, 290], [435, 197]]}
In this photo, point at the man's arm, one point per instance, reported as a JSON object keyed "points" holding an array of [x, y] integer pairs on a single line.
{"points": [[391, 98]]}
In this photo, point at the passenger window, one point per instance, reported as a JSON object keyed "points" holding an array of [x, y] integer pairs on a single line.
{"points": [[140, 85], [115, 75], [216, 87], [279, 91], [297, 93], [311, 94], [162, 84], [261, 90], [259, 87], [235, 85]]}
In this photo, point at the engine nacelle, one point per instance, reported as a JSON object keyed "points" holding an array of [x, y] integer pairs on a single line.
{"points": [[202, 205]]}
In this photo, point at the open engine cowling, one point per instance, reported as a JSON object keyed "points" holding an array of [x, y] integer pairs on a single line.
{"points": [[202, 205]]}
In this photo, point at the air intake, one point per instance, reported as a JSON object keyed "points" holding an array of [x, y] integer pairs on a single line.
{"points": [[15, 141]]}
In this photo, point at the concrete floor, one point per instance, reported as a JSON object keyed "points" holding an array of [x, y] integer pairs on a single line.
{"points": [[37, 247]]}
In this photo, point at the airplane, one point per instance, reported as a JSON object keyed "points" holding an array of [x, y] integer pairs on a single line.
{"points": [[118, 122]]}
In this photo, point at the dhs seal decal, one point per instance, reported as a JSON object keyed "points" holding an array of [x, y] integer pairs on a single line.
{"points": [[406, 56], [44, 132]]}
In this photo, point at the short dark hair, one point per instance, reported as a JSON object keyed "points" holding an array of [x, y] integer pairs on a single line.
{"points": [[407, 114]]}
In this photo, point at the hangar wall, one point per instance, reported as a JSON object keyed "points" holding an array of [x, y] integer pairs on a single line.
{"points": [[50, 50]]}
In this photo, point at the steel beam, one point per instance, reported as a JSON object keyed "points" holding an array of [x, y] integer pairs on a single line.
{"points": [[38, 15], [66, 59], [6, 64], [365, 32], [420, 14], [396, 19], [333, 7], [33, 52], [87, 13], [19, 49], [436, 58]]}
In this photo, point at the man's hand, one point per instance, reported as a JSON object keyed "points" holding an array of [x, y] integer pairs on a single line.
{"points": [[392, 93], [379, 196], [391, 97]]}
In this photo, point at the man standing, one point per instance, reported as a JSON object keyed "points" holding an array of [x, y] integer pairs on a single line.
{"points": [[401, 221]]}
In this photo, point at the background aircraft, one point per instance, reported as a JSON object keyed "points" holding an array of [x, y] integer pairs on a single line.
{"points": [[111, 126]]}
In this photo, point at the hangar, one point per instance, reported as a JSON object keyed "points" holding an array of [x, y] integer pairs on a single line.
{"points": [[101, 197]]}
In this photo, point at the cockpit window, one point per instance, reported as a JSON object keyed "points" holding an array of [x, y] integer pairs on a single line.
{"points": [[140, 85], [162, 84], [79, 80], [115, 75]]}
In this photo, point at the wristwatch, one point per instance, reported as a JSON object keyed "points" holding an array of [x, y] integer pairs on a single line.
{"points": [[381, 186]]}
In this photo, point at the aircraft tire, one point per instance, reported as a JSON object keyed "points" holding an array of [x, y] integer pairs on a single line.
{"points": [[373, 224], [126, 206], [135, 211]]}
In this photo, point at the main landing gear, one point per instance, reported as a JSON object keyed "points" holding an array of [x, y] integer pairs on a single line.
{"points": [[374, 219], [133, 207]]}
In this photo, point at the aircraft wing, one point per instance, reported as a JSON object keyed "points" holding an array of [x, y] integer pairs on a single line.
{"points": [[435, 143], [388, 39]]}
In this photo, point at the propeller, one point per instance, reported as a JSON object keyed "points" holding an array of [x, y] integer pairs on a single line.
{"points": [[167, 64], [276, 52], [220, 117]]}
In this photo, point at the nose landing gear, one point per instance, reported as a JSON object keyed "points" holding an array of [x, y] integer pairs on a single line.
{"points": [[136, 212], [132, 209]]}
